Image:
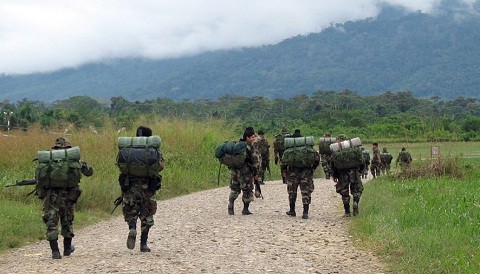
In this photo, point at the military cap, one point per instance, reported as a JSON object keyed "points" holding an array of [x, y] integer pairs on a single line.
{"points": [[61, 142]]}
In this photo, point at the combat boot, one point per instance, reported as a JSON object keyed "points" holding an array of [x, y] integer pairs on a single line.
{"points": [[356, 200], [230, 206], [347, 210], [132, 234], [305, 211], [292, 212], [245, 210], [143, 241], [55, 250], [68, 248]]}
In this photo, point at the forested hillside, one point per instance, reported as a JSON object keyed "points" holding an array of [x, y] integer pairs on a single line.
{"points": [[429, 55]]}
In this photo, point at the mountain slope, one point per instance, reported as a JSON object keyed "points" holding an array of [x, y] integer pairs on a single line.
{"points": [[425, 54]]}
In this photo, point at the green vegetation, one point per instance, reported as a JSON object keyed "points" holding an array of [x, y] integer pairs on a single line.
{"points": [[188, 148], [426, 224]]}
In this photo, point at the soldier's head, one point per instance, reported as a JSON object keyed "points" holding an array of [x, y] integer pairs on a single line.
{"points": [[384, 149], [403, 149], [249, 135], [327, 134], [261, 132], [375, 144], [341, 138], [61, 143], [285, 130], [144, 131]]}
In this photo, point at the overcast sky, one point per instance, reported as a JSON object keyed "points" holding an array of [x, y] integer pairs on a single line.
{"points": [[43, 35]]}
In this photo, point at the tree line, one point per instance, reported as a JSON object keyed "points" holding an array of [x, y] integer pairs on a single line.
{"points": [[390, 116]]}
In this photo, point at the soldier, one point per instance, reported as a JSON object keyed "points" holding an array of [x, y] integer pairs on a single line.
{"points": [[376, 163], [244, 176], [264, 151], [348, 181], [366, 157], [139, 202], [279, 148], [326, 160], [59, 205], [386, 158], [404, 158], [300, 177]]}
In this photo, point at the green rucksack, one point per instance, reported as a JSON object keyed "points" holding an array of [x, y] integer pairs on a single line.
{"points": [[231, 153], [139, 156], [279, 142], [386, 157], [348, 158], [299, 152], [58, 168], [324, 145]]}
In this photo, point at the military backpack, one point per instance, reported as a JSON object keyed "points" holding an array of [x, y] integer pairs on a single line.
{"points": [[58, 168], [139, 156], [386, 157], [232, 154], [299, 152]]}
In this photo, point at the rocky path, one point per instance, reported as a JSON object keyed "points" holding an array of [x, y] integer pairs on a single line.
{"points": [[194, 234]]}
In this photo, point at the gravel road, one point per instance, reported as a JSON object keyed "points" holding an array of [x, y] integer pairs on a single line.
{"points": [[194, 234]]}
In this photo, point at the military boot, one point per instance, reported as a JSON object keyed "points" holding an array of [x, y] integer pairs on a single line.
{"points": [[132, 234], [305, 211], [143, 241], [356, 200], [245, 210], [55, 250], [347, 210], [292, 212], [230, 206], [68, 248]]}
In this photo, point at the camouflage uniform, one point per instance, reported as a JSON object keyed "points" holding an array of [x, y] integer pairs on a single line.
{"points": [[262, 149], [302, 177], [242, 179], [59, 205], [404, 158], [326, 160], [366, 156], [376, 163], [348, 181], [386, 158], [279, 153]]}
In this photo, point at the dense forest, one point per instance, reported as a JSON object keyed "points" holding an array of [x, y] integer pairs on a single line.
{"points": [[426, 54], [397, 117]]}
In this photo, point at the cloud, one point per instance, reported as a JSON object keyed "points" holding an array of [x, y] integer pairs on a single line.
{"points": [[47, 35]]}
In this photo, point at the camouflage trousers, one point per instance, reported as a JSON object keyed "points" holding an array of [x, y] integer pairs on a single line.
{"points": [[375, 169], [349, 182], [242, 182], [385, 168], [59, 205], [304, 179], [263, 168], [139, 202]]}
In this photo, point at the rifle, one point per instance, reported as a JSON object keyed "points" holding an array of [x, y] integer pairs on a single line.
{"points": [[258, 189], [24, 183], [117, 202]]}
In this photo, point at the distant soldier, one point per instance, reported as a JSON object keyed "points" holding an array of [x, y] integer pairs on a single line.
{"points": [[366, 157], [325, 155], [279, 148], [263, 148], [376, 163], [404, 158], [386, 158]]}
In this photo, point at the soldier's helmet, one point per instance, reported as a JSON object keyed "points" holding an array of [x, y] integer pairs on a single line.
{"points": [[341, 138], [61, 143], [285, 130], [327, 134], [384, 149]]}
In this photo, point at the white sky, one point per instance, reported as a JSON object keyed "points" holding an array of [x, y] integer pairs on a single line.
{"points": [[46, 35]]}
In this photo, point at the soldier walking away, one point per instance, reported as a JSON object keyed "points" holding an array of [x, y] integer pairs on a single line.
{"points": [[366, 157], [404, 158], [59, 189], [139, 185], [326, 158], [243, 176], [279, 148], [348, 181], [300, 176], [386, 158], [375, 165]]}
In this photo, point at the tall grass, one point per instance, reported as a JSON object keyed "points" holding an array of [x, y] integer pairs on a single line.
{"points": [[425, 224], [187, 146]]}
